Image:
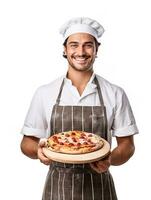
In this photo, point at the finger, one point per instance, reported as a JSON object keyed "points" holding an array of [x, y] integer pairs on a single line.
{"points": [[95, 168], [42, 157], [44, 160], [100, 166], [103, 165]]}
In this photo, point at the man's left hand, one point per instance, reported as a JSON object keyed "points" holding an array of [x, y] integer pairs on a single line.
{"points": [[101, 165]]}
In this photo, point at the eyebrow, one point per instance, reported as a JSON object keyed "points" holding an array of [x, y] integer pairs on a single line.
{"points": [[74, 42]]}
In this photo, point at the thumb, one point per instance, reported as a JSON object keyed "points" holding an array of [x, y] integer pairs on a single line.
{"points": [[42, 143]]}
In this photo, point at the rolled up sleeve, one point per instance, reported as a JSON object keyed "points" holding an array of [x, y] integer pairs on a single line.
{"points": [[124, 122], [35, 121]]}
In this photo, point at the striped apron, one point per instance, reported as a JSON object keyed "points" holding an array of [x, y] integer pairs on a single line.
{"points": [[78, 181]]}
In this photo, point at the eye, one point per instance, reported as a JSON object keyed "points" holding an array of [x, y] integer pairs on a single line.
{"points": [[88, 46], [73, 46]]}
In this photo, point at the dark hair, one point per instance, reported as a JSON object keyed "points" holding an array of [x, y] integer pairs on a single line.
{"points": [[96, 43]]}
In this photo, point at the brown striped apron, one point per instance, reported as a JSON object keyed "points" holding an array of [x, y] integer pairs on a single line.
{"points": [[78, 181]]}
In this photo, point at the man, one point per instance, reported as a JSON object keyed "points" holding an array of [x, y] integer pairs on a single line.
{"points": [[81, 100]]}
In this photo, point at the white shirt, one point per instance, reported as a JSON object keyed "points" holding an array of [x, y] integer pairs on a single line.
{"points": [[120, 118]]}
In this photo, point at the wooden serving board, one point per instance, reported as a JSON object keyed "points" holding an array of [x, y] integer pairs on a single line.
{"points": [[78, 158]]}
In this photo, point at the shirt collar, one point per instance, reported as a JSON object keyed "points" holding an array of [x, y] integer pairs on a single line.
{"points": [[90, 82], [89, 89]]}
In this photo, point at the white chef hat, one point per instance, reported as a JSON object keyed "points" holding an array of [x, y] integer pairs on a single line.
{"points": [[82, 25]]}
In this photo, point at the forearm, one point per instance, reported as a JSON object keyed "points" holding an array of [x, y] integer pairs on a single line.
{"points": [[29, 146], [123, 152], [119, 156]]}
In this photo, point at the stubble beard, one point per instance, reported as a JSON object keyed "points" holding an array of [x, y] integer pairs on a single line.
{"points": [[87, 68]]}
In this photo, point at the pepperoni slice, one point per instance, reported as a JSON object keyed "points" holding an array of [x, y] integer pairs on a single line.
{"points": [[70, 144], [78, 144], [90, 135], [74, 139], [83, 135], [55, 138], [61, 143], [85, 143], [73, 133], [89, 140], [67, 135]]}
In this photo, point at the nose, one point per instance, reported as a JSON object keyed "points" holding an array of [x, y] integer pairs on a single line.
{"points": [[81, 50]]}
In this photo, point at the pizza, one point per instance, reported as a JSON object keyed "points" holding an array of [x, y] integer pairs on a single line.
{"points": [[74, 142]]}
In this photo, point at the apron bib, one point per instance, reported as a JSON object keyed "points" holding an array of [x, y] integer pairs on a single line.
{"points": [[78, 181]]}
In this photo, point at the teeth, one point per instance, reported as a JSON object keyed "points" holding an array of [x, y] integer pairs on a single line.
{"points": [[80, 59]]}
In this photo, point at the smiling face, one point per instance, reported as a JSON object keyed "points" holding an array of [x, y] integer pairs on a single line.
{"points": [[81, 51]]}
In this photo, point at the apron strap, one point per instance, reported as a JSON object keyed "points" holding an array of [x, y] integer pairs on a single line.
{"points": [[60, 91], [99, 91], [104, 109]]}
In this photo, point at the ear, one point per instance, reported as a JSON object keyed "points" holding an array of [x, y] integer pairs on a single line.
{"points": [[97, 46], [64, 51]]}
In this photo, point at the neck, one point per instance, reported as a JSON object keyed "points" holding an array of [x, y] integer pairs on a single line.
{"points": [[79, 78]]}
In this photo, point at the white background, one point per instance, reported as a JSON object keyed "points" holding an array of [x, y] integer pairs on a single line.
{"points": [[31, 55]]}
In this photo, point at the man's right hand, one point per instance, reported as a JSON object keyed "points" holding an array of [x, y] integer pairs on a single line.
{"points": [[41, 155]]}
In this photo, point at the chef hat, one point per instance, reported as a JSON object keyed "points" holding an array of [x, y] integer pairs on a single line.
{"points": [[82, 25]]}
